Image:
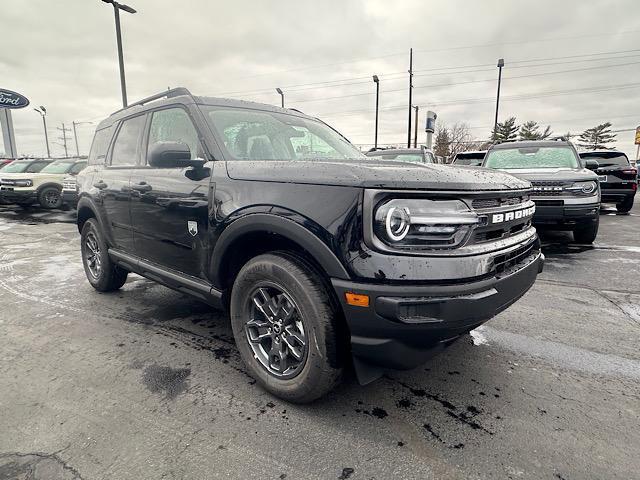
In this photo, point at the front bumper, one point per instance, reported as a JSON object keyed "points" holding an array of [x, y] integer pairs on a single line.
{"points": [[70, 198], [557, 212], [405, 324], [17, 195]]}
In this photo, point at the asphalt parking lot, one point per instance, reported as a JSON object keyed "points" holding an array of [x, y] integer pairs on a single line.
{"points": [[146, 382]]}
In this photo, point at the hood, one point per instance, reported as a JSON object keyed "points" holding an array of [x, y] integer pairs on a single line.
{"points": [[554, 174], [33, 176], [375, 174]]}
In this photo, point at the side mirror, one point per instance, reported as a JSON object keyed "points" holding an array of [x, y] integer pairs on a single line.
{"points": [[591, 164], [172, 155]]}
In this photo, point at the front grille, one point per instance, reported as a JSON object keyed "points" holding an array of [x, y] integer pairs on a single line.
{"points": [[506, 261], [545, 188], [499, 233], [483, 203]]}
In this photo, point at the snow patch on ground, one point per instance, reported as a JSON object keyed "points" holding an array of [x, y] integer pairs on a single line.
{"points": [[478, 337], [61, 268]]}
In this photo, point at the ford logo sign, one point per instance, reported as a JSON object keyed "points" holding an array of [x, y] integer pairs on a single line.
{"points": [[9, 99]]}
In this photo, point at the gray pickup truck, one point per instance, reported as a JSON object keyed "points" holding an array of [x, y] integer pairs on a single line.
{"points": [[566, 193]]}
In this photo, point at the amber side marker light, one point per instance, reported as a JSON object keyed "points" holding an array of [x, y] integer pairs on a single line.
{"points": [[357, 300]]}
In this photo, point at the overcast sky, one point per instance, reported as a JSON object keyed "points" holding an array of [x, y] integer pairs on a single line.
{"points": [[62, 54]]}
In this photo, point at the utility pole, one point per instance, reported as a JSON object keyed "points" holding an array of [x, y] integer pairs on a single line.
{"points": [[410, 94], [43, 113], [500, 65], [377, 82], [75, 134], [116, 11], [415, 131], [64, 131]]}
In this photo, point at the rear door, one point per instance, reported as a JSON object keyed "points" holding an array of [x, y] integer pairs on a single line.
{"points": [[113, 181], [169, 206]]}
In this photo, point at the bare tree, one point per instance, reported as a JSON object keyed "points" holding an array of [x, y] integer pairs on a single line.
{"points": [[460, 138]]}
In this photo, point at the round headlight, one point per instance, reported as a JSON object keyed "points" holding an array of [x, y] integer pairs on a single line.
{"points": [[588, 187], [397, 222]]}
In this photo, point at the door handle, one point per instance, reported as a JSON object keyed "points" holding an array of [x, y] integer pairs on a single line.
{"points": [[142, 187], [100, 185]]}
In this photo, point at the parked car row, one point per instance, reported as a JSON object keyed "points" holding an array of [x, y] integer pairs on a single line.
{"points": [[39, 181], [568, 186]]}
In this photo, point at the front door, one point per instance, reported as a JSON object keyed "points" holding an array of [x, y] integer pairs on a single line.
{"points": [[169, 206], [113, 181]]}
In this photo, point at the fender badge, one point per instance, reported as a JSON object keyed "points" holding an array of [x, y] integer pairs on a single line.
{"points": [[192, 227]]}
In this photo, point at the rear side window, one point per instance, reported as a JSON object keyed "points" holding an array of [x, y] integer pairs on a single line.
{"points": [[35, 167], [99, 146], [126, 149]]}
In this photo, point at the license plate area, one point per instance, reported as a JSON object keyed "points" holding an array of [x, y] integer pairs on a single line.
{"points": [[603, 178]]}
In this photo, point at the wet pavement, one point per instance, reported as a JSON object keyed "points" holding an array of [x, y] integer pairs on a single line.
{"points": [[147, 383]]}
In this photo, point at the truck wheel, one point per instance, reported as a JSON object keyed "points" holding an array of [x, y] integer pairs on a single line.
{"points": [[625, 205], [102, 273], [50, 197], [286, 327], [587, 233]]}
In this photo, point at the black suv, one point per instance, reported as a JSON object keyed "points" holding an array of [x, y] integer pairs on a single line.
{"points": [[618, 179], [320, 253], [566, 193]]}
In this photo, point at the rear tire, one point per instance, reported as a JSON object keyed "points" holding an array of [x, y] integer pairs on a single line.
{"points": [[287, 327], [102, 273], [50, 197], [587, 233], [625, 206]]}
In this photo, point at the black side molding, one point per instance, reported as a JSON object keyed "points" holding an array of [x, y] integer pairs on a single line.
{"points": [[169, 278]]}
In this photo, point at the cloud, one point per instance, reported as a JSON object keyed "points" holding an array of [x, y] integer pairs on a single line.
{"points": [[62, 55]]}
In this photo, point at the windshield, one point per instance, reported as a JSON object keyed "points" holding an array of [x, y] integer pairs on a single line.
{"points": [[532, 157], [262, 135], [57, 167], [401, 157], [15, 167], [607, 159]]}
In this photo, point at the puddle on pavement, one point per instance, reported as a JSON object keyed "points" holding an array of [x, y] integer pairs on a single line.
{"points": [[170, 381]]}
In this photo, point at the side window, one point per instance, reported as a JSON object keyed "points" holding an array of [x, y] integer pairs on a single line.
{"points": [[174, 125], [126, 149], [99, 146], [35, 167], [77, 167]]}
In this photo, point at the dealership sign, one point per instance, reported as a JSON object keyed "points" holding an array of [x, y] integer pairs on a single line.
{"points": [[9, 99]]}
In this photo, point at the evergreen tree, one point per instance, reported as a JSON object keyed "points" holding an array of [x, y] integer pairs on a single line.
{"points": [[505, 131], [443, 142], [597, 137], [531, 131]]}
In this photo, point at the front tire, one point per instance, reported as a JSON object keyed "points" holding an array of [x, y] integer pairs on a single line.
{"points": [[587, 233], [625, 206], [287, 327], [102, 273], [50, 197]]}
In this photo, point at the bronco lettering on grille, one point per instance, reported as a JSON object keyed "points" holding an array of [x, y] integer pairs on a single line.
{"points": [[514, 215]]}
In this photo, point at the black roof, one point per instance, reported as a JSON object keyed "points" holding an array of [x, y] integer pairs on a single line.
{"points": [[530, 144], [182, 95]]}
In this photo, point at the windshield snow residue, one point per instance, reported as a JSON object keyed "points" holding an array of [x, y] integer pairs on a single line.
{"points": [[532, 157]]}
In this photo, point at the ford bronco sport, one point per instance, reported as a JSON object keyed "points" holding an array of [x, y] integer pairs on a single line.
{"points": [[321, 254], [566, 194], [25, 186]]}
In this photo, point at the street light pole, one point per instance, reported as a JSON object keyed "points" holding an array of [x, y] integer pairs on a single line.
{"points": [[415, 131], [116, 10], [500, 65], [410, 93], [279, 90], [75, 134], [377, 82], [43, 113]]}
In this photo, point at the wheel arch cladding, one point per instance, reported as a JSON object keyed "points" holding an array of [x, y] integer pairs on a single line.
{"points": [[255, 234]]}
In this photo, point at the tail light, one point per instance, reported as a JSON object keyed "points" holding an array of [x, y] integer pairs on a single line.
{"points": [[631, 171]]}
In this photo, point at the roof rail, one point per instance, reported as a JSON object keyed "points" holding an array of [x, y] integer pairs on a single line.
{"points": [[559, 138], [170, 93]]}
